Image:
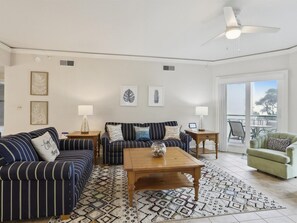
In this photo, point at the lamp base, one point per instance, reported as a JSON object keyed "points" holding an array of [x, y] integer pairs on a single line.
{"points": [[84, 126], [201, 130]]}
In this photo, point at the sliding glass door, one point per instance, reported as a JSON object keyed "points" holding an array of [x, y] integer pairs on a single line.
{"points": [[251, 108], [251, 112]]}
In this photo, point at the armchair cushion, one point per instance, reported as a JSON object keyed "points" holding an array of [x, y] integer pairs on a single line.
{"points": [[269, 154], [278, 144], [17, 148]]}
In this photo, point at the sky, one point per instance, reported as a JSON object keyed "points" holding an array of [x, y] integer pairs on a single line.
{"points": [[236, 95]]}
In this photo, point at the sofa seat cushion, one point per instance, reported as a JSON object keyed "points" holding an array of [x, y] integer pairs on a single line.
{"points": [[118, 146], [173, 143], [273, 155], [81, 159]]}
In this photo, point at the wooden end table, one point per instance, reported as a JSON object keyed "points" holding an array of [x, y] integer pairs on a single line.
{"points": [[94, 136], [202, 136], [148, 173]]}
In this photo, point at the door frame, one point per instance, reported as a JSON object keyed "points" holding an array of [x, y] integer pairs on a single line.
{"points": [[221, 82]]}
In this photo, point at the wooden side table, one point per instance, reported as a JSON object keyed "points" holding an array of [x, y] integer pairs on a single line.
{"points": [[93, 135], [202, 136]]}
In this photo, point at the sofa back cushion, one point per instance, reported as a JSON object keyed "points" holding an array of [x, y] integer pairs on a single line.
{"points": [[127, 129], [52, 131], [17, 147], [157, 130]]}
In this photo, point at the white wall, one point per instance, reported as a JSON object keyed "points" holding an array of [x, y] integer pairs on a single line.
{"points": [[4, 57], [285, 62], [98, 82]]}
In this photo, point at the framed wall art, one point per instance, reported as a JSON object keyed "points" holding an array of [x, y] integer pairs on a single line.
{"points": [[39, 83], [39, 113], [128, 96], [155, 96]]}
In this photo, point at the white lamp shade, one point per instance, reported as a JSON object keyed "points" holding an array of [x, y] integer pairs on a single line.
{"points": [[85, 110], [201, 110]]}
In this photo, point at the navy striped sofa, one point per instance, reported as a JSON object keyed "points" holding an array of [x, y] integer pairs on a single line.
{"points": [[31, 188], [113, 152]]}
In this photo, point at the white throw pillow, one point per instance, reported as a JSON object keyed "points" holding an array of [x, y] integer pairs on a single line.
{"points": [[46, 147], [115, 132], [172, 132]]}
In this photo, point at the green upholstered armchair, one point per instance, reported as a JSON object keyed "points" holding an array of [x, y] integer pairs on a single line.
{"points": [[279, 163]]}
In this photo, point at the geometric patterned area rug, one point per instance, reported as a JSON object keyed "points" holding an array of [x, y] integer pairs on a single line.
{"points": [[105, 199]]}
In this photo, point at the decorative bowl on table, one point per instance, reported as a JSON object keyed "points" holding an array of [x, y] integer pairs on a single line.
{"points": [[158, 149]]}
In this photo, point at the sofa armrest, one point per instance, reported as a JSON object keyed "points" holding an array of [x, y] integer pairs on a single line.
{"points": [[37, 170], [105, 139], [105, 145], [184, 137], [259, 142], [76, 144], [292, 152]]}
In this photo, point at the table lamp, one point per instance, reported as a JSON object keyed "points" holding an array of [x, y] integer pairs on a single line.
{"points": [[201, 110], [85, 110]]}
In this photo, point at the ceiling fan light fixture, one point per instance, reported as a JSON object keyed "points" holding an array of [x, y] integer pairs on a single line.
{"points": [[233, 33]]}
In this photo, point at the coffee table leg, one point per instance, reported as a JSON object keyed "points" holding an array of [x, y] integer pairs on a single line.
{"points": [[131, 180], [197, 173]]}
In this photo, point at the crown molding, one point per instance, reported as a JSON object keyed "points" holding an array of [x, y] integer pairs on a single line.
{"points": [[71, 54], [5, 47]]}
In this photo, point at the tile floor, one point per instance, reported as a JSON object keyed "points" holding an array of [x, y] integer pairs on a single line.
{"points": [[283, 191]]}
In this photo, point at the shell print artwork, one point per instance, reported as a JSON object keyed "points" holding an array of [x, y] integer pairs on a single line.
{"points": [[129, 96]]}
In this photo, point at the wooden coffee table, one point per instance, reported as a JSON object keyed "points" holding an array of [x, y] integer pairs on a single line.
{"points": [[148, 173]]}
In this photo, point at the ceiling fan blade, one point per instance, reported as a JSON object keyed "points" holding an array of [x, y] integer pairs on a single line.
{"points": [[230, 18], [259, 29], [216, 37]]}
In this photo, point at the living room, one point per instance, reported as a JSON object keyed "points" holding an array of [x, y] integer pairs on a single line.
{"points": [[115, 58]]}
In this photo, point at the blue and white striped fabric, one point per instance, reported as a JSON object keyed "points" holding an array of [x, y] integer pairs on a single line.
{"points": [[76, 144], [113, 151], [36, 189], [17, 148]]}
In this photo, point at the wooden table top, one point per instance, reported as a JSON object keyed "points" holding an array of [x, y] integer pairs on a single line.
{"points": [[206, 132], [78, 133], [139, 159]]}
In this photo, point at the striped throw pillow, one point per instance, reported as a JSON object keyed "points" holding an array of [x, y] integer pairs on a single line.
{"points": [[115, 132], [172, 132]]}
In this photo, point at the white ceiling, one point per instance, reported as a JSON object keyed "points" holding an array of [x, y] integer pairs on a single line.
{"points": [[152, 28]]}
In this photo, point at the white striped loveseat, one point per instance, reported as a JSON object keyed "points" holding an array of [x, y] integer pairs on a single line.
{"points": [[31, 188], [113, 151]]}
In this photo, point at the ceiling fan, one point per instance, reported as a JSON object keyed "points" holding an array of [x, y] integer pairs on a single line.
{"points": [[234, 29]]}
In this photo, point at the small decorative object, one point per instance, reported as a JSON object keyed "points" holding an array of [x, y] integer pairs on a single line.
{"points": [[159, 149], [39, 113], [85, 110], [39, 83], [128, 96], [201, 110], [156, 96], [192, 125]]}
